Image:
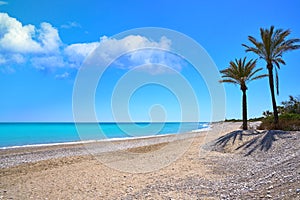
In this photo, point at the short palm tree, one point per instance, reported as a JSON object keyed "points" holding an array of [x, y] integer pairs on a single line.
{"points": [[271, 49], [241, 72]]}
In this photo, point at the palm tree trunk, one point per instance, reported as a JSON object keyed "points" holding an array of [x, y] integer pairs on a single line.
{"points": [[245, 127], [271, 83]]}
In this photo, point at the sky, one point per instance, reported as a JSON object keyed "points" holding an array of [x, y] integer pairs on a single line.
{"points": [[45, 44]]}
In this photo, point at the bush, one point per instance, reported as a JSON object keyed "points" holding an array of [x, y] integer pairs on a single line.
{"points": [[287, 122], [233, 120], [255, 119], [249, 120], [292, 105]]}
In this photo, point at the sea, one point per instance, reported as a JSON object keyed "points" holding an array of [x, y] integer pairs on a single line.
{"points": [[14, 135]]}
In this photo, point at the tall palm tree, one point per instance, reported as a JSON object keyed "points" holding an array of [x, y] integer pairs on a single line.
{"points": [[241, 72], [271, 49]]}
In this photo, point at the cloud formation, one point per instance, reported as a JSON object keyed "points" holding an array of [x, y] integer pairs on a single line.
{"points": [[70, 25], [133, 51], [20, 44], [17, 38], [76, 53], [62, 76], [42, 48], [110, 48]]}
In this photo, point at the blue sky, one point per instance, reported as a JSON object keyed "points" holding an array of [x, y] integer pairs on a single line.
{"points": [[44, 43]]}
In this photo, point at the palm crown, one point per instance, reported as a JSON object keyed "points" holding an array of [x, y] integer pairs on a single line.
{"points": [[241, 72], [272, 46]]}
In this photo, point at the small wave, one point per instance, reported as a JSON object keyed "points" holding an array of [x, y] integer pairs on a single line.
{"points": [[49, 144], [202, 129]]}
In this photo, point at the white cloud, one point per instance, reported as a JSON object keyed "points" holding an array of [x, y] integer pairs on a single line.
{"points": [[109, 48], [6, 59], [71, 25], [76, 53], [155, 69], [155, 61], [49, 38], [16, 38], [21, 43], [62, 76], [42, 48], [140, 51], [18, 58], [44, 62], [130, 43], [3, 3]]}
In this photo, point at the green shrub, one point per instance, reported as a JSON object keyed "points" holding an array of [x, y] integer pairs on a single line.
{"points": [[287, 122], [249, 120], [233, 120]]}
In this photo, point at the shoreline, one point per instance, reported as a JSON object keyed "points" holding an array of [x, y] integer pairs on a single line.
{"points": [[103, 140], [206, 128], [203, 171], [13, 156]]}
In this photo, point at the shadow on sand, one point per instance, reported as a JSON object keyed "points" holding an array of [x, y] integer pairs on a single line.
{"points": [[251, 139]]}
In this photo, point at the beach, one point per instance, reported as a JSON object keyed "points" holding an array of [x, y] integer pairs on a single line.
{"points": [[192, 166]]}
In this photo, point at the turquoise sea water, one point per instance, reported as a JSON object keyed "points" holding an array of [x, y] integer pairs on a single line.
{"points": [[20, 134]]}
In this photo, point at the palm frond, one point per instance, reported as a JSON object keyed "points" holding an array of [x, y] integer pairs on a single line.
{"points": [[277, 64], [272, 45], [240, 71], [252, 73], [228, 81], [279, 60], [259, 77]]}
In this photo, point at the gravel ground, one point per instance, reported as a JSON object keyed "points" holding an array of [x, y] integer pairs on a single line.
{"points": [[272, 173], [16, 156], [238, 165]]}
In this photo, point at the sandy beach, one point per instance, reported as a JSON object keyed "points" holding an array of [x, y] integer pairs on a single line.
{"points": [[239, 165]]}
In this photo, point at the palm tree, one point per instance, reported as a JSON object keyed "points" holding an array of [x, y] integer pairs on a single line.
{"points": [[241, 72], [271, 49]]}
